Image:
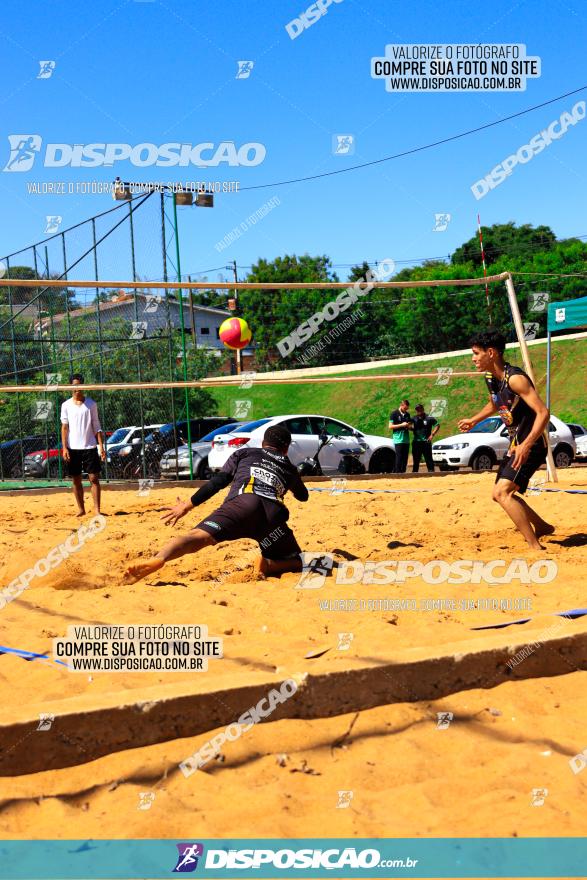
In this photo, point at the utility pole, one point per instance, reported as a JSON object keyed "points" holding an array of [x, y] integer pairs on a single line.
{"points": [[239, 354]]}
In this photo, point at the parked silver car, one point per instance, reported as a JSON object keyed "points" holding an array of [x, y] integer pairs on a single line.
{"points": [[175, 464]]}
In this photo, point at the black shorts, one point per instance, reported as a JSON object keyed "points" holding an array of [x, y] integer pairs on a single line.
{"points": [[83, 460], [250, 516], [521, 476]]}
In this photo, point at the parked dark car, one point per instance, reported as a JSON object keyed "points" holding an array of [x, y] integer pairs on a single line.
{"points": [[47, 462], [44, 463], [12, 453]]}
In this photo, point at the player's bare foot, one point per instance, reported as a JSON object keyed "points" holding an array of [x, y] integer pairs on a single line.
{"points": [[546, 529], [141, 570], [80, 513], [535, 545]]}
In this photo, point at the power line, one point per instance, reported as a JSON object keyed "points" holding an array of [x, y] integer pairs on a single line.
{"points": [[454, 137]]}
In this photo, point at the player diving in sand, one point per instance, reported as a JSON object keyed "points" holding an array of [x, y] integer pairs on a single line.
{"points": [[513, 396], [254, 508]]}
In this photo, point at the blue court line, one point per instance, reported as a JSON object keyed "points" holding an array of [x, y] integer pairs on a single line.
{"points": [[333, 490], [573, 614], [29, 655], [568, 491]]}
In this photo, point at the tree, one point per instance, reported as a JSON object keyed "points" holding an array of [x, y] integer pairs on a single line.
{"points": [[119, 359], [50, 300], [505, 240], [274, 314]]}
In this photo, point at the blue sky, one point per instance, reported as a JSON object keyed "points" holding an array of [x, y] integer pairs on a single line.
{"points": [[165, 71]]}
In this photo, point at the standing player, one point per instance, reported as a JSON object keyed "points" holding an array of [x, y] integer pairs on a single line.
{"points": [[80, 432], [513, 396], [425, 429], [400, 423], [254, 509]]}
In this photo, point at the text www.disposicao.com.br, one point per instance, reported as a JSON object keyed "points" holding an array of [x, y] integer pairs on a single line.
{"points": [[134, 664]]}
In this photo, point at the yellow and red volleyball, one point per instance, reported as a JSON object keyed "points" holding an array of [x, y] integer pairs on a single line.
{"points": [[235, 333]]}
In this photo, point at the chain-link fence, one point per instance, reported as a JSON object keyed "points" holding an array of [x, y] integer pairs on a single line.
{"points": [[108, 336]]}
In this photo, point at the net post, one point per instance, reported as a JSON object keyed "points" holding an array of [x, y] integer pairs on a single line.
{"points": [[100, 343], [509, 283], [43, 366], [169, 325]]}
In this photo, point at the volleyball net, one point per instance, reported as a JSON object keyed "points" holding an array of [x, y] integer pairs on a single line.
{"points": [[140, 348]]}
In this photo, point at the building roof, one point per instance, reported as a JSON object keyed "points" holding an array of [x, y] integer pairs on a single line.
{"points": [[126, 298]]}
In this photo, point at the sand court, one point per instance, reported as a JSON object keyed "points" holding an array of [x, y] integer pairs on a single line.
{"points": [[370, 720]]}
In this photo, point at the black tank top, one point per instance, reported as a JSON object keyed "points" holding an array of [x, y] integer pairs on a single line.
{"points": [[514, 412], [263, 472]]}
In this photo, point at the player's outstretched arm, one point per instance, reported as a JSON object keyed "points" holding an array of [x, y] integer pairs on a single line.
{"points": [[488, 410], [298, 489]]}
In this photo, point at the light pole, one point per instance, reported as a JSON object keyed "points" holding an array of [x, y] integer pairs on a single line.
{"points": [[123, 191]]}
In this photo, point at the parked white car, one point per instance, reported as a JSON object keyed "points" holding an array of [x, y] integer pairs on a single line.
{"points": [[378, 457], [581, 452], [487, 443], [124, 436]]}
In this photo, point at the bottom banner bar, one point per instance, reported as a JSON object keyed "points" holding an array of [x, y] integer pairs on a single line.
{"points": [[311, 858]]}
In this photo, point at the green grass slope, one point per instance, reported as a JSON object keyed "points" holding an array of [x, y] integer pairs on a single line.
{"points": [[367, 405]]}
